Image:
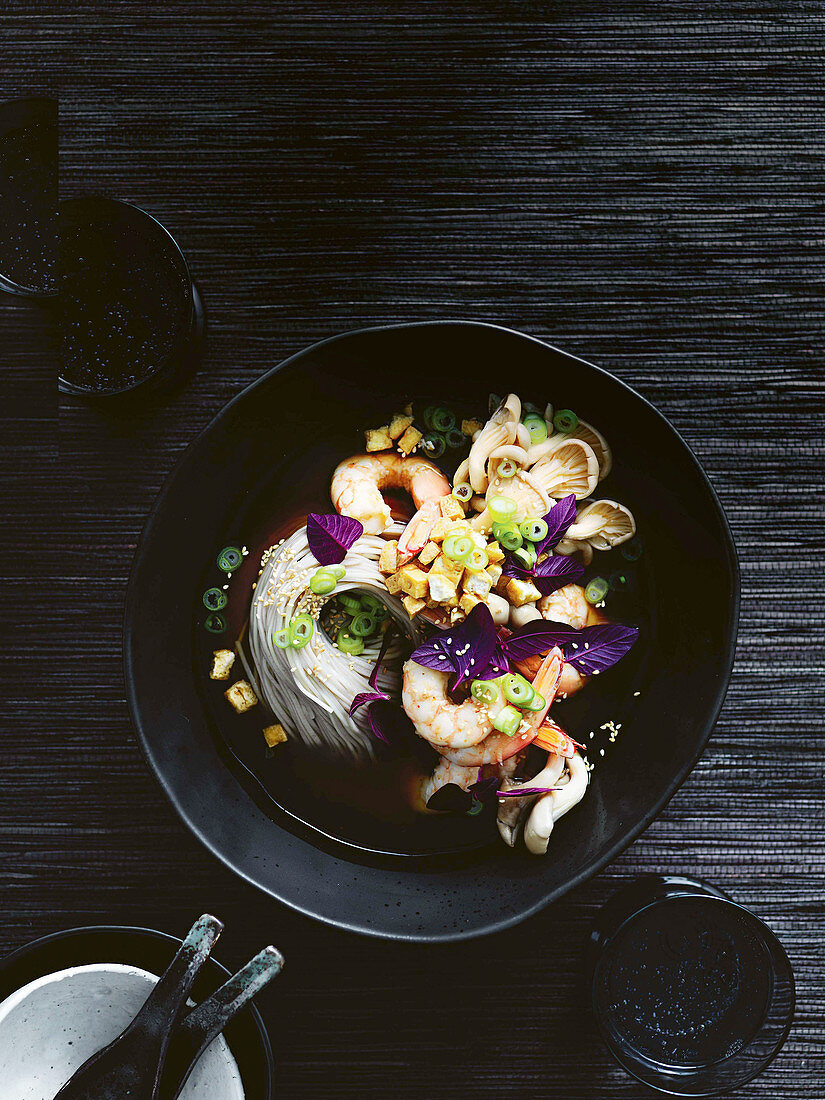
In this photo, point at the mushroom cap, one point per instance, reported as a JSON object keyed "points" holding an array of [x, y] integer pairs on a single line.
{"points": [[531, 499], [604, 524], [574, 546], [571, 467], [594, 439]]}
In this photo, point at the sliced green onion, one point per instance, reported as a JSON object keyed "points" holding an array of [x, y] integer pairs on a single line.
{"points": [[323, 581], [533, 530], [370, 603], [536, 426], [281, 638], [596, 590], [457, 547], [338, 571], [565, 421], [215, 624], [538, 702], [618, 580], [443, 419], [506, 468], [455, 438], [501, 509], [507, 720], [214, 599], [485, 691], [349, 643], [632, 551], [476, 807], [477, 560], [508, 535], [517, 690], [301, 630], [525, 555], [229, 559], [434, 444], [362, 625], [350, 604], [464, 493], [427, 415]]}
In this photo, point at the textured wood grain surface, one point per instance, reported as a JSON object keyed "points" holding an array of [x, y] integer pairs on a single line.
{"points": [[641, 184]]}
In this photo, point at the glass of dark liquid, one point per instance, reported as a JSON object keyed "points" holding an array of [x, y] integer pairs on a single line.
{"points": [[693, 994]]}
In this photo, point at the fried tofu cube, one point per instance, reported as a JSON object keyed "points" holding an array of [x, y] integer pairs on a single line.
{"points": [[501, 585], [441, 587], [429, 553], [467, 602], [470, 427], [520, 592], [479, 539], [388, 559], [494, 573], [476, 584], [241, 696], [413, 605], [494, 553], [274, 735], [446, 567], [409, 440], [393, 583], [440, 529], [408, 409], [222, 662], [450, 508], [413, 581], [398, 425], [378, 439]]}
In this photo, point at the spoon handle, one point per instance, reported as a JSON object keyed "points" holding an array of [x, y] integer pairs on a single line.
{"points": [[207, 1021]]}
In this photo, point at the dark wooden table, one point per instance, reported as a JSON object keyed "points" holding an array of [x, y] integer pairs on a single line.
{"points": [[641, 184]]}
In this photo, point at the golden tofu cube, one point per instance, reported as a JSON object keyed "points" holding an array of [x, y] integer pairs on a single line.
{"points": [[440, 529], [520, 592], [501, 585], [222, 662], [470, 427], [446, 567], [494, 553], [398, 425], [409, 440], [393, 584], [429, 553], [378, 439], [413, 581], [441, 587], [388, 559], [241, 696], [413, 605], [468, 602], [476, 584], [408, 409], [450, 508], [494, 573], [274, 735]]}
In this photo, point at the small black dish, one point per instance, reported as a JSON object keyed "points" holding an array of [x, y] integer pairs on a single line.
{"points": [[129, 315], [153, 951], [692, 993], [28, 196]]}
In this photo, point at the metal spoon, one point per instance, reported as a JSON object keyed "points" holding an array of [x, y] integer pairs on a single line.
{"points": [[131, 1065], [204, 1023]]}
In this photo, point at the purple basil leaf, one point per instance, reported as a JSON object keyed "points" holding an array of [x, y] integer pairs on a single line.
{"points": [[365, 697], [556, 572], [330, 536], [497, 666], [483, 790], [558, 519], [388, 721], [600, 647], [464, 649], [526, 791], [534, 637]]}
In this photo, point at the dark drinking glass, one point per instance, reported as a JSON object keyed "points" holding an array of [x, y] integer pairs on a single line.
{"points": [[692, 993]]}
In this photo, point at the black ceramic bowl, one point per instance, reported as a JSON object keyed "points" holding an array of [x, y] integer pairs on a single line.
{"points": [[152, 951], [266, 459]]}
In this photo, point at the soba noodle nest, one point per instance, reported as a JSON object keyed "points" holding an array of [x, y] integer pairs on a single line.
{"points": [[310, 690]]}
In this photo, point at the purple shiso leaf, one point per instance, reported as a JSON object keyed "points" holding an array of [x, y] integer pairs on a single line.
{"points": [[498, 664], [532, 638], [548, 575], [464, 649], [525, 791], [605, 644], [558, 519], [483, 790], [364, 697], [330, 536]]}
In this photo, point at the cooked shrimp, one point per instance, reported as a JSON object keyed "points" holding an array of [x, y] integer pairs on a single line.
{"points": [[443, 773], [550, 807], [513, 811], [357, 483], [565, 605], [436, 718], [417, 532], [500, 430]]}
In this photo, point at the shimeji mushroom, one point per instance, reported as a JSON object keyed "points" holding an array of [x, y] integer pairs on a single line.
{"points": [[574, 546], [513, 811], [571, 468], [550, 807], [594, 439], [604, 524], [500, 430]]}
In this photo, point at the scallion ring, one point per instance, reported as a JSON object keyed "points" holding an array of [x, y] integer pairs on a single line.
{"points": [[215, 623], [349, 643], [442, 419], [525, 556], [434, 444], [533, 530], [517, 690], [338, 571], [537, 428], [484, 691], [501, 509], [508, 535], [214, 599], [301, 630], [362, 625], [455, 438], [565, 421], [507, 720], [464, 493], [280, 639], [596, 590], [538, 702], [457, 547], [506, 468], [229, 559], [370, 603], [322, 582], [350, 604], [477, 560], [632, 551]]}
